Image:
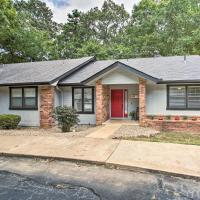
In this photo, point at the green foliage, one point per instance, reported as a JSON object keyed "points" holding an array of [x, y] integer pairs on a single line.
{"points": [[151, 117], [165, 27], [185, 117], [168, 117], [28, 32], [67, 117], [132, 114], [9, 121], [169, 137]]}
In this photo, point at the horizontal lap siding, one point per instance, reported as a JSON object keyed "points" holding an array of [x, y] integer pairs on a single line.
{"points": [[157, 102], [28, 117], [67, 101]]}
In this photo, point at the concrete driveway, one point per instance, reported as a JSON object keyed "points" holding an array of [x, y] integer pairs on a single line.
{"points": [[172, 158]]}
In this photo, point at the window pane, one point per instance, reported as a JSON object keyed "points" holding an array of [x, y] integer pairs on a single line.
{"points": [[16, 102], [193, 96], [16, 97], [87, 99], [177, 96], [29, 92], [78, 99], [16, 92], [30, 102]]}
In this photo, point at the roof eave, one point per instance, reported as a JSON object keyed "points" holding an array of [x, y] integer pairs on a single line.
{"points": [[24, 83], [177, 81]]}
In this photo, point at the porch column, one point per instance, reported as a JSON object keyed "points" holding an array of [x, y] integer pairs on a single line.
{"points": [[102, 102], [142, 101], [46, 106]]}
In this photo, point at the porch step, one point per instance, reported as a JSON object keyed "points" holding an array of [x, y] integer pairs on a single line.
{"points": [[121, 122]]}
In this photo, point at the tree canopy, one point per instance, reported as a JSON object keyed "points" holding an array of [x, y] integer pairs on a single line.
{"points": [[165, 27]]}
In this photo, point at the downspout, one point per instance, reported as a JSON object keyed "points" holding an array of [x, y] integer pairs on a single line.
{"points": [[55, 84], [61, 93]]}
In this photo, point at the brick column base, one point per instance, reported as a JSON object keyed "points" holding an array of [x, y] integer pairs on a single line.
{"points": [[102, 102], [46, 106]]}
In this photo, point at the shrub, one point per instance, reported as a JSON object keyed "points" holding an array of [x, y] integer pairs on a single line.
{"points": [[9, 121], [168, 117], [151, 117], [67, 117], [185, 117]]}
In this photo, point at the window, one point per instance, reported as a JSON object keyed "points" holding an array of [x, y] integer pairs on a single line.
{"points": [[83, 99], [193, 96], [183, 97], [24, 98]]}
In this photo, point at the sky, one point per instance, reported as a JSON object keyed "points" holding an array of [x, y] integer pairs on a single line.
{"points": [[60, 8]]}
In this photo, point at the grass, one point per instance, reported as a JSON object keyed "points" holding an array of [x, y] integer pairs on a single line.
{"points": [[169, 137]]}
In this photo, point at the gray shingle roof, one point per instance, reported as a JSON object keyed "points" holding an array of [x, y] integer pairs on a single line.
{"points": [[39, 72], [77, 71], [87, 72], [166, 68]]}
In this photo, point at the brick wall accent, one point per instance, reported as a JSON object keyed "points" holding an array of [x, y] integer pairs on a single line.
{"points": [[46, 106], [174, 125], [102, 102], [142, 101]]}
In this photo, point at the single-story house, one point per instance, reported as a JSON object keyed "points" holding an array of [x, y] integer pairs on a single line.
{"points": [[164, 90]]}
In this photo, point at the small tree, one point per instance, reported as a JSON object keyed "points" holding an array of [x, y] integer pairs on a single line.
{"points": [[67, 117]]}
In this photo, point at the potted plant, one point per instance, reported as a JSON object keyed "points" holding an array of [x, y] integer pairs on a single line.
{"points": [[133, 115], [177, 118], [168, 117], [185, 117], [194, 118], [160, 118], [151, 117]]}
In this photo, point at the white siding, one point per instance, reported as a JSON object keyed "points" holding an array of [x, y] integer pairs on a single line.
{"points": [[67, 101], [157, 102], [119, 76], [28, 117]]}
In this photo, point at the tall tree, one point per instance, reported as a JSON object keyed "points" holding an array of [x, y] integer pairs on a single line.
{"points": [[27, 38], [38, 15], [181, 26], [97, 26]]}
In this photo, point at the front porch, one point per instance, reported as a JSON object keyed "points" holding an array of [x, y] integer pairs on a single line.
{"points": [[114, 102]]}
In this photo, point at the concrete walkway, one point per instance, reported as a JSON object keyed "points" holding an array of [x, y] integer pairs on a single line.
{"points": [[105, 132], [110, 127], [172, 158]]}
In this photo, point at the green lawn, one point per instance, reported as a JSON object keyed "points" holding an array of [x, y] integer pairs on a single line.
{"points": [[169, 137]]}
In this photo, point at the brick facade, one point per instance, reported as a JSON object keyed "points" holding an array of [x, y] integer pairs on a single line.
{"points": [[102, 102], [46, 106], [142, 101], [174, 125]]}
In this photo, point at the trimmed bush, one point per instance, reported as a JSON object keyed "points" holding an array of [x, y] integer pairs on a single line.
{"points": [[67, 117], [9, 121]]}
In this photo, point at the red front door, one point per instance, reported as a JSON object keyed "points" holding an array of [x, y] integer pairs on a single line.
{"points": [[116, 103]]}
